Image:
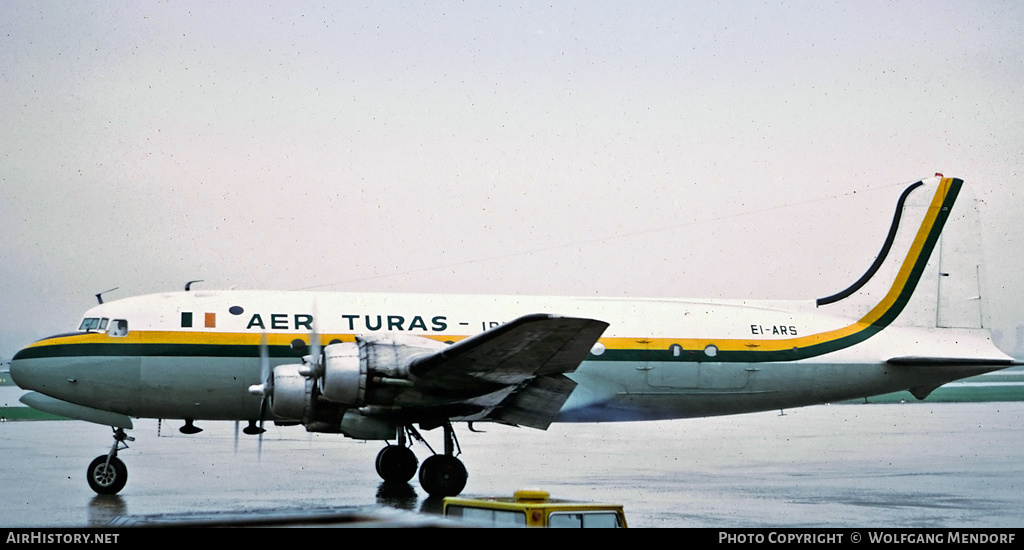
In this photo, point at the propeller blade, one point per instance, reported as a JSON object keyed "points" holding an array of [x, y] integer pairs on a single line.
{"points": [[313, 368], [314, 339], [315, 351], [265, 374], [263, 414], [266, 389]]}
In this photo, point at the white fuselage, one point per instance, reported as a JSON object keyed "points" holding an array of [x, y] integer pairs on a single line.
{"points": [[194, 354]]}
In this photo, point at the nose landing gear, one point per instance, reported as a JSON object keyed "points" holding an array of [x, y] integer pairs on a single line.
{"points": [[106, 474]]}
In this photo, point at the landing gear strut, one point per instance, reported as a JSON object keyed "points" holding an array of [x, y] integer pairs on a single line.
{"points": [[106, 473]]}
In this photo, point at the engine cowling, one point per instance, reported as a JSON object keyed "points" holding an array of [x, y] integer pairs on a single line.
{"points": [[293, 393], [327, 392], [344, 374], [350, 366]]}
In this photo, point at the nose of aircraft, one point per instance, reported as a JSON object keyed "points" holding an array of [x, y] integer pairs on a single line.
{"points": [[20, 371], [43, 365], [32, 370]]}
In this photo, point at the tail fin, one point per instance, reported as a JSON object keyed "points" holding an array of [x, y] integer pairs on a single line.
{"points": [[928, 273]]}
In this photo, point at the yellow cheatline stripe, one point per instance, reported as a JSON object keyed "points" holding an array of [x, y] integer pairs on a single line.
{"points": [[913, 256], [622, 343], [206, 338], [84, 338], [876, 313]]}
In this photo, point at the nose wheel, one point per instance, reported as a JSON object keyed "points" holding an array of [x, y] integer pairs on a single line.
{"points": [[106, 474]]}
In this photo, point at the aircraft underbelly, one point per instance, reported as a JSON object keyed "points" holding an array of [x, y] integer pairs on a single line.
{"points": [[624, 391]]}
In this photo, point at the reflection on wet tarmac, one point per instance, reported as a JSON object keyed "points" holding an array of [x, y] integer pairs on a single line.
{"points": [[104, 508], [913, 465]]}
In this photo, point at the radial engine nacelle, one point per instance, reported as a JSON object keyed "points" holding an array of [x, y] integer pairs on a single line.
{"points": [[345, 376]]}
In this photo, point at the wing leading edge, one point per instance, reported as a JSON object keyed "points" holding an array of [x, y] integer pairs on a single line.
{"points": [[513, 373]]}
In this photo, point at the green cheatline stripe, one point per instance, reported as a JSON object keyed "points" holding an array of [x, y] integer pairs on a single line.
{"points": [[890, 315], [154, 350]]}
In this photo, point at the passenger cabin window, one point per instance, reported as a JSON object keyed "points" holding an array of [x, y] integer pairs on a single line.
{"points": [[118, 328]]}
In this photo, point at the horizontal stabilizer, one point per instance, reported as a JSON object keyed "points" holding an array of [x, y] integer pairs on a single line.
{"points": [[918, 361]]}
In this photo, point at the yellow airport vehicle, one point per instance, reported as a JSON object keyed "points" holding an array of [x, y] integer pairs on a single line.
{"points": [[533, 508]]}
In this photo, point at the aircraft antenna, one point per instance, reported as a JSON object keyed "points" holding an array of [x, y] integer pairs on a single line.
{"points": [[188, 285], [99, 297]]}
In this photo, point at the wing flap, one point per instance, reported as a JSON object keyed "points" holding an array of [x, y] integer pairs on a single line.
{"points": [[536, 405]]}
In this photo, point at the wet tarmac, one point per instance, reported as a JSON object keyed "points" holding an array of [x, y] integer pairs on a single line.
{"points": [[937, 465]]}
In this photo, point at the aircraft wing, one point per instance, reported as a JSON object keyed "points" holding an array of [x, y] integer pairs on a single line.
{"points": [[513, 373]]}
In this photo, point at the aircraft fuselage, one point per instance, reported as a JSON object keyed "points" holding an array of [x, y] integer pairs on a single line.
{"points": [[194, 354]]}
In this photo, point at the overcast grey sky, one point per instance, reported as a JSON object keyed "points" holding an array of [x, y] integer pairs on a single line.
{"points": [[693, 149]]}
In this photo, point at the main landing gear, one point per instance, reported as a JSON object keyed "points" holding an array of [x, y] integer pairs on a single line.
{"points": [[107, 474], [440, 475]]}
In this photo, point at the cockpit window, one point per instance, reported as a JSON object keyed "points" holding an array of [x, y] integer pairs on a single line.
{"points": [[118, 328], [94, 323], [90, 323]]}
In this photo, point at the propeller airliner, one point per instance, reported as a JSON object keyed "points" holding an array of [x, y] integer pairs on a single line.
{"points": [[385, 366]]}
